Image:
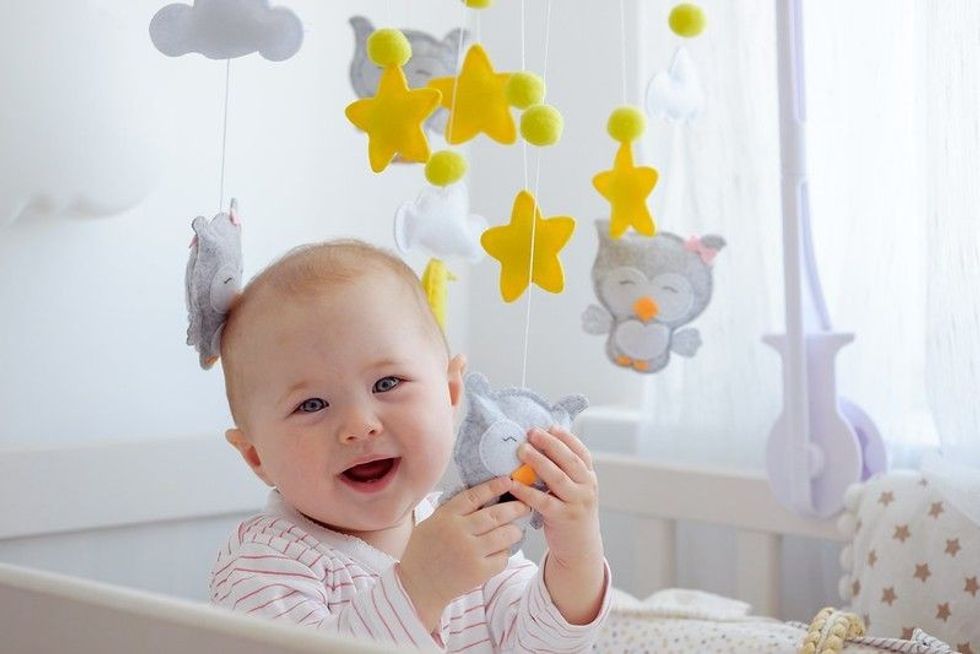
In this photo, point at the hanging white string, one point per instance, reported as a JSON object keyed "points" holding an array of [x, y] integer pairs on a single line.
{"points": [[524, 69], [459, 53], [534, 209], [622, 43], [224, 139]]}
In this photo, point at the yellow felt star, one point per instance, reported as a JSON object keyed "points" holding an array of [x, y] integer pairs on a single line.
{"points": [[626, 187], [511, 245], [480, 102], [393, 119]]}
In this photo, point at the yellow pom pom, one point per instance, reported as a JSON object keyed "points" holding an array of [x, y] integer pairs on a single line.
{"points": [[478, 4], [541, 125], [389, 47], [524, 90], [445, 167], [687, 20], [626, 124]]}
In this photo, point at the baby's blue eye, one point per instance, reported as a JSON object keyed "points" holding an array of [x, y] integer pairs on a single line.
{"points": [[312, 405], [385, 384]]}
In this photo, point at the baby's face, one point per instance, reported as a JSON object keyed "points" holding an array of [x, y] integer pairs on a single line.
{"points": [[348, 403]]}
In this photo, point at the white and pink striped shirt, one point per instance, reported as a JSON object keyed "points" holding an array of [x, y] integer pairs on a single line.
{"points": [[282, 566]]}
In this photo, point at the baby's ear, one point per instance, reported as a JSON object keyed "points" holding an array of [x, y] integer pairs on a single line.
{"points": [[245, 447], [457, 367]]}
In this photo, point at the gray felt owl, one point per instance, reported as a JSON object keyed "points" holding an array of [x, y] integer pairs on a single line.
{"points": [[430, 58], [213, 279], [648, 288], [496, 424]]}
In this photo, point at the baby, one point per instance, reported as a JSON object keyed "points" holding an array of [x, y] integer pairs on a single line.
{"points": [[343, 395]]}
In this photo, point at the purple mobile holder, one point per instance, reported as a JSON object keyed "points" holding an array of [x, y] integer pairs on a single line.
{"points": [[821, 443]]}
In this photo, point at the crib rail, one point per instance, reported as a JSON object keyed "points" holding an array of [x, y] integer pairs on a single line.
{"points": [[85, 488], [659, 495]]}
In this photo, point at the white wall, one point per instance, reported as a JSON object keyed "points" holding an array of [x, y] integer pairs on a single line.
{"points": [[94, 321]]}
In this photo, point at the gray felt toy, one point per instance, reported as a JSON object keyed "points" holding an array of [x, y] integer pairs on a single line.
{"points": [[495, 425], [214, 278], [648, 287], [430, 58]]}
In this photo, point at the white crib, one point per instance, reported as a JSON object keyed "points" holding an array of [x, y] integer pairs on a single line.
{"points": [[113, 504]]}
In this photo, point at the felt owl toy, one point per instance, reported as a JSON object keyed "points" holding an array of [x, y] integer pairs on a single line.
{"points": [[431, 57], [648, 288], [496, 424], [213, 279]]}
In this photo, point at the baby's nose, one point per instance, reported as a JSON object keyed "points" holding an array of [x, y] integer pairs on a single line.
{"points": [[357, 431], [646, 308]]}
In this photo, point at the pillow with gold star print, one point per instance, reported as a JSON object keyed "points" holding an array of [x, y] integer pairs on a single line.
{"points": [[913, 561]]}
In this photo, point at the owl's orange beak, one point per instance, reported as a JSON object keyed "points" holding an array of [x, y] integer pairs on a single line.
{"points": [[646, 308]]}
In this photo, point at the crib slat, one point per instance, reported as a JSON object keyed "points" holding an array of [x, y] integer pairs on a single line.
{"points": [[654, 555], [757, 557]]}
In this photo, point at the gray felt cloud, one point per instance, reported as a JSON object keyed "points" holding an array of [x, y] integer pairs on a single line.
{"points": [[226, 29]]}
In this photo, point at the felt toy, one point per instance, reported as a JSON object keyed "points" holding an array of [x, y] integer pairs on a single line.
{"points": [[676, 93], [435, 283], [627, 186], [524, 90], [511, 245], [477, 100], [541, 125], [226, 29], [478, 4], [439, 223], [393, 117], [213, 280], [445, 167], [687, 20], [496, 424], [431, 57], [648, 287]]}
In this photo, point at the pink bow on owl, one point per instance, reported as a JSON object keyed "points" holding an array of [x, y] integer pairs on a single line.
{"points": [[707, 254]]}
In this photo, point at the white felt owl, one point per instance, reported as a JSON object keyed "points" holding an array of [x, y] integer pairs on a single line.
{"points": [[648, 288]]}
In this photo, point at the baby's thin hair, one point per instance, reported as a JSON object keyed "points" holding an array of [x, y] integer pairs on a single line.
{"points": [[312, 267]]}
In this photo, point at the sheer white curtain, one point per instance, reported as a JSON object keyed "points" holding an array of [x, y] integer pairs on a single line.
{"points": [[893, 154], [893, 94]]}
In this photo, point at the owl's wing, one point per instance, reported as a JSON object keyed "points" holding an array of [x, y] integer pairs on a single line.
{"points": [[686, 342], [596, 320]]}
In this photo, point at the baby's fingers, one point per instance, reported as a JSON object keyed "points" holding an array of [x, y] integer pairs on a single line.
{"points": [[544, 503], [497, 515], [500, 539], [471, 499], [573, 443], [561, 454]]}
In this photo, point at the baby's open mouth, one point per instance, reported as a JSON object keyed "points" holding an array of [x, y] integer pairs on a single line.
{"points": [[371, 472]]}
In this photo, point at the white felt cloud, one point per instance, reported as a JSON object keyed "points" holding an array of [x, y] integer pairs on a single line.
{"points": [[83, 131], [225, 29], [676, 93], [439, 223]]}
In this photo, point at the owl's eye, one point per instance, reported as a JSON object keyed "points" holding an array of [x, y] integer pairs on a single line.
{"points": [[625, 282], [670, 288]]}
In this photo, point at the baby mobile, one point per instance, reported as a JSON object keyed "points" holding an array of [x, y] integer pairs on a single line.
{"points": [[220, 29], [649, 283], [478, 100]]}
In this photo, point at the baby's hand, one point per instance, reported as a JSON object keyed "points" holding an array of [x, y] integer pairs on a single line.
{"points": [[571, 510], [459, 547]]}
